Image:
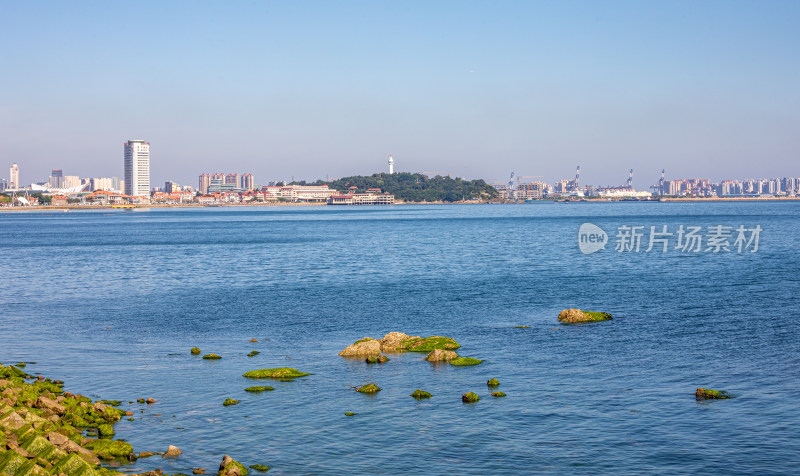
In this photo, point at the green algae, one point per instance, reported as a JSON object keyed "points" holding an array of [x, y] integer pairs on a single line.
{"points": [[230, 401], [242, 469], [195, 351], [593, 316], [460, 361], [140, 400], [368, 388], [105, 430], [280, 373], [262, 468], [428, 344], [493, 382], [350, 414], [110, 449], [212, 357], [258, 389], [708, 394], [420, 394], [365, 339], [22, 365], [113, 403], [498, 394], [376, 359], [253, 353], [74, 465], [470, 397], [522, 327]]}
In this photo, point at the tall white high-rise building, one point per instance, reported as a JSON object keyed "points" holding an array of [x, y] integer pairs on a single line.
{"points": [[391, 164], [137, 168], [14, 176]]}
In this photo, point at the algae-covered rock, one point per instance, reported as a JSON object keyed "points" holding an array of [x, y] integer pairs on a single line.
{"points": [[362, 347], [140, 400], [368, 388], [441, 355], [498, 394], [46, 403], [110, 449], [570, 316], [522, 327], [470, 397], [377, 359], [420, 394], [253, 353], [708, 394], [465, 361], [229, 401], [258, 389], [212, 357], [74, 465], [350, 414], [231, 467], [105, 430], [195, 351], [428, 344], [261, 468], [281, 373], [493, 382]]}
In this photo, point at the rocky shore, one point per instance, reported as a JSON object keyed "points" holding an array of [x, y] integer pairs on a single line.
{"points": [[46, 431]]}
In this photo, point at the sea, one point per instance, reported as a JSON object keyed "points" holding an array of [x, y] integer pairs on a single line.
{"points": [[701, 294]]}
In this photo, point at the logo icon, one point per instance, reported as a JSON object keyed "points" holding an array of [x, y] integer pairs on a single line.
{"points": [[591, 238]]}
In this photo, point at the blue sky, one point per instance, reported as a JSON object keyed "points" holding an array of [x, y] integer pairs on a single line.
{"points": [[309, 89]]}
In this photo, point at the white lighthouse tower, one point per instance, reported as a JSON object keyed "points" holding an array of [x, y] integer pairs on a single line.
{"points": [[391, 164]]}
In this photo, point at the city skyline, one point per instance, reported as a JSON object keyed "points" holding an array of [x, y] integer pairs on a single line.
{"points": [[469, 89]]}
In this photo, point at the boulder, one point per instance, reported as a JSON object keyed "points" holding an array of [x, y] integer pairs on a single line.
{"points": [[231, 467], [195, 351], [212, 357], [377, 359], [172, 452], [47, 404], [441, 355], [230, 401], [368, 388], [394, 341], [493, 382], [576, 315], [498, 394], [362, 348]]}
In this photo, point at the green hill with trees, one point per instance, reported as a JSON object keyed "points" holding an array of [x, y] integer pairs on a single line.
{"points": [[415, 187]]}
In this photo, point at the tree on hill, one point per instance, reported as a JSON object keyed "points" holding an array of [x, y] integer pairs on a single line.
{"points": [[411, 187]]}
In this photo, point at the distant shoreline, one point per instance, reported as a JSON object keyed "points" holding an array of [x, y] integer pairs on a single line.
{"points": [[305, 204]]}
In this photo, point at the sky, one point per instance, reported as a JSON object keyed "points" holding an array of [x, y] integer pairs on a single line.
{"points": [[316, 89]]}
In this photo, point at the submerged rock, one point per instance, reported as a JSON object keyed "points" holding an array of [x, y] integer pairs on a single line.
{"points": [[258, 389], [350, 414], [229, 401], [576, 315], [470, 397], [441, 355], [428, 344], [420, 394], [280, 373], [493, 382], [253, 353], [195, 351], [253, 340], [498, 394], [368, 388], [212, 357], [465, 361], [261, 468], [377, 359], [708, 394]]}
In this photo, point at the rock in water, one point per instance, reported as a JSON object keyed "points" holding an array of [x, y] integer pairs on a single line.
{"points": [[231, 467], [420, 394], [362, 348], [465, 361], [377, 359], [498, 394], [394, 341], [441, 355], [280, 373], [576, 315], [707, 393], [493, 382], [195, 351], [172, 452], [469, 397], [368, 388], [230, 401]]}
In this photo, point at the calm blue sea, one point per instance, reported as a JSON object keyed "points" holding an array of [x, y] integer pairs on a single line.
{"points": [[112, 301]]}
